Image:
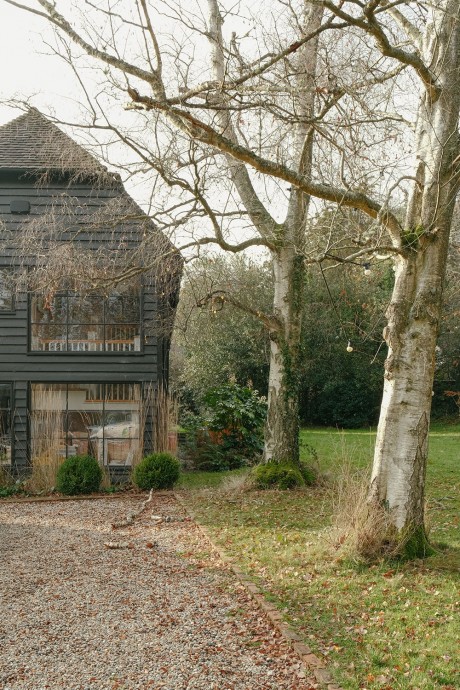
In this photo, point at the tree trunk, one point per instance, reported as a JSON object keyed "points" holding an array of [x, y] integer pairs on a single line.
{"points": [[398, 476], [282, 427]]}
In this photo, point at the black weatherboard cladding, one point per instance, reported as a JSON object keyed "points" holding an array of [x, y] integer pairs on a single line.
{"points": [[43, 168]]}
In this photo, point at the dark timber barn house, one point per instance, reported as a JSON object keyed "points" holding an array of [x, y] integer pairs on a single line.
{"points": [[78, 361]]}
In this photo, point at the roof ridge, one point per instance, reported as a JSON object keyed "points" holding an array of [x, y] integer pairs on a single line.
{"points": [[32, 142]]}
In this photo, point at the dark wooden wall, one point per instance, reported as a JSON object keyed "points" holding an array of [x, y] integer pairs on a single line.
{"points": [[20, 366]]}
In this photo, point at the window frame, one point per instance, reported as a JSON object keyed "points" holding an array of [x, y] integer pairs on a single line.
{"points": [[9, 384], [65, 411], [68, 324]]}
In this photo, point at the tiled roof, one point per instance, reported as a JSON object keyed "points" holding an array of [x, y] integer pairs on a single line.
{"points": [[33, 143]]}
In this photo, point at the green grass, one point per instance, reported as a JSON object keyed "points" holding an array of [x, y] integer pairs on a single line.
{"points": [[389, 626], [336, 448], [205, 480]]}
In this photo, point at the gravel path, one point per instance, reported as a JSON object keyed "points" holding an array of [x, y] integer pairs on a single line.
{"points": [[162, 612]]}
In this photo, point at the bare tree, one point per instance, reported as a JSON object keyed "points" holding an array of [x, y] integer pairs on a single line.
{"points": [[301, 99]]}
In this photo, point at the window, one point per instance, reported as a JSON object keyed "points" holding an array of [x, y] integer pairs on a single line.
{"points": [[71, 419], [65, 321], [5, 424], [6, 292]]}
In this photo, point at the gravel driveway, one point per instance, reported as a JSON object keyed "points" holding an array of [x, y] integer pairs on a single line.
{"points": [[161, 612]]}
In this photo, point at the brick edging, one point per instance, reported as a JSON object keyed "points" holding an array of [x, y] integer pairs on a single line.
{"points": [[312, 663]]}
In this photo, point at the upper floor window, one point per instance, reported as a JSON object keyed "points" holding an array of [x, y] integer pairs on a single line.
{"points": [[66, 321], [6, 292]]}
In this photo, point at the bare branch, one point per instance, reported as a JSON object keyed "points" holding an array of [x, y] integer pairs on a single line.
{"points": [[368, 23], [53, 16], [153, 37], [411, 30], [220, 296], [207, 135]]}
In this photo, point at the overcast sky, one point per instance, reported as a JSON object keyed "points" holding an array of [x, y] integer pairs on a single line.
{"points": [[27, 72], [32, 73]]}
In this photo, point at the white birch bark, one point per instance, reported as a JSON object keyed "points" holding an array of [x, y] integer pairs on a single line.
{"points": [[282, 427], [398, 477]]}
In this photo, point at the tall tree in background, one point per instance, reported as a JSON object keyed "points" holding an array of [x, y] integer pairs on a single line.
{"points": [[213, 345], [235, 113], [293, 109], [337, 388]]}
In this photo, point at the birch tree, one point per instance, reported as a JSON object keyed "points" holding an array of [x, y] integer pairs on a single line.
{"points": [[414, 314], [321, 133]]}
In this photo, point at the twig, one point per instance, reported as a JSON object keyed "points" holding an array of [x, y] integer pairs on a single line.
{"points": [[132, 516]]}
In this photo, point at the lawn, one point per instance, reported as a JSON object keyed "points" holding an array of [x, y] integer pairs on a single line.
{"points": [[389, 626]]}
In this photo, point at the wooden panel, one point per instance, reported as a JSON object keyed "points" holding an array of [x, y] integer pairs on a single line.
{"points": [[107, 372], [20, 426], [21, 367]]}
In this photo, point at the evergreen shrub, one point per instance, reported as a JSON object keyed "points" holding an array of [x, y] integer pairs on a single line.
{"points": [[276, 475], [206, 455], [157, 471], [79, 474], [349, 404]]}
